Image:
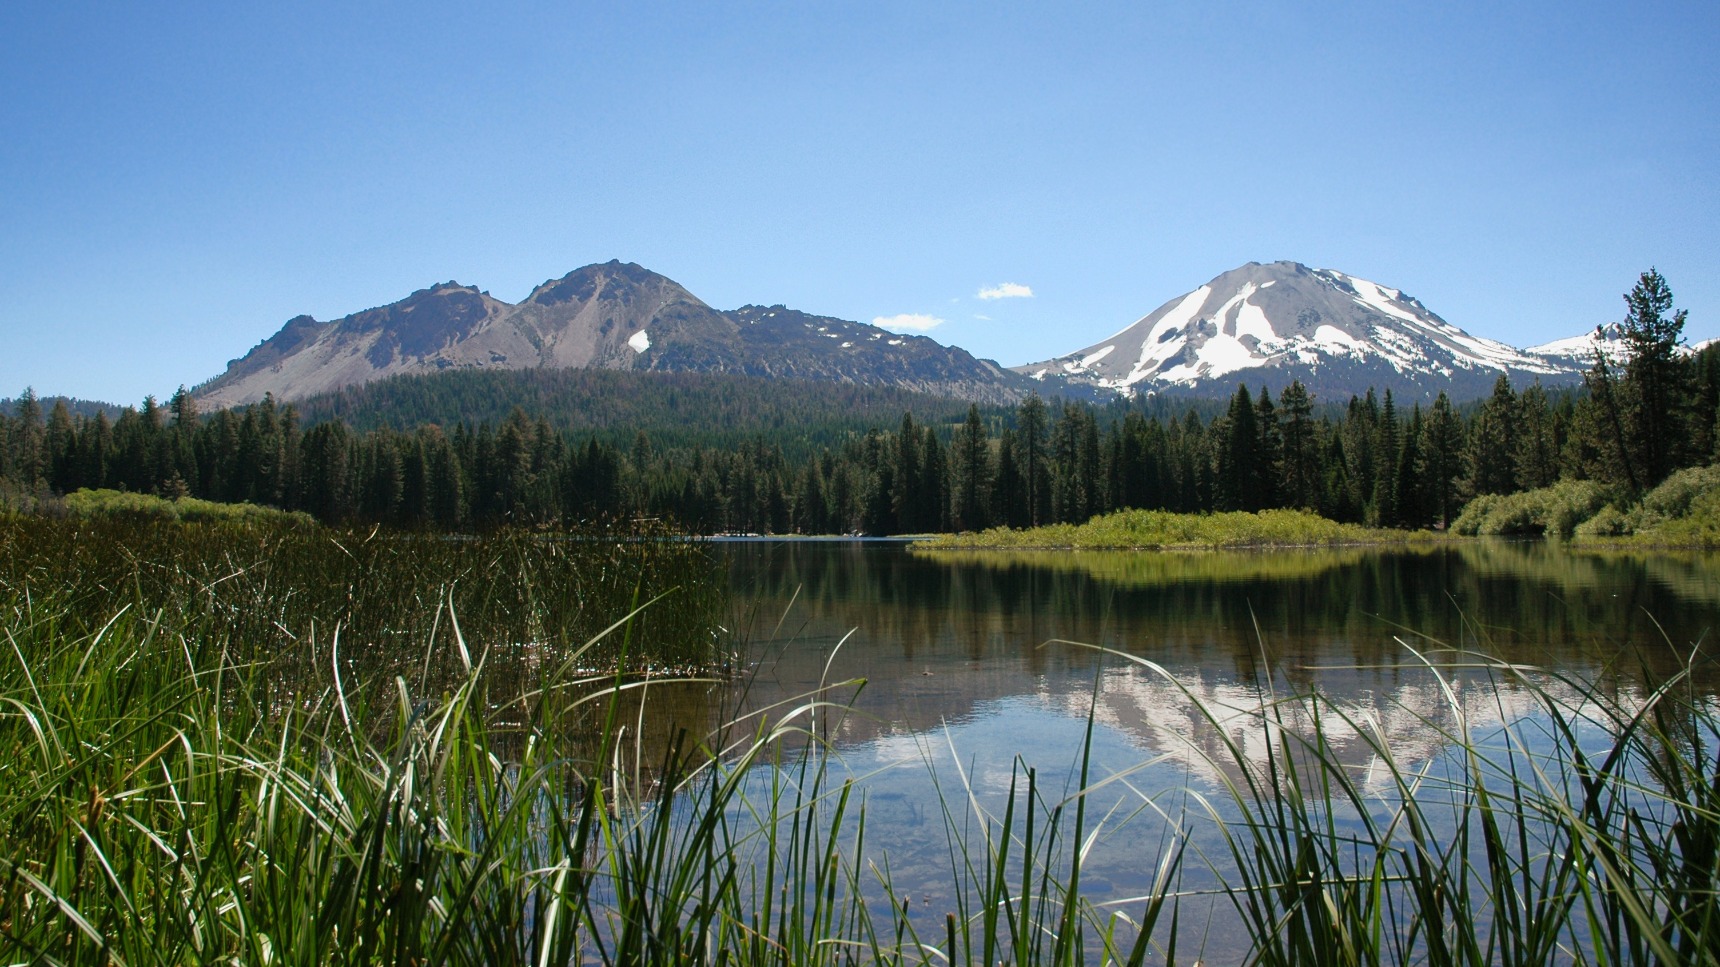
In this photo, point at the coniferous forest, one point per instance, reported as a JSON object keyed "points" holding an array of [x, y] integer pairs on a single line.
{"points": [[730, 454]]}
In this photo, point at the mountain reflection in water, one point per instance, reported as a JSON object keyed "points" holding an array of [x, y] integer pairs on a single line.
{"points": [[940, 636], [980, 665]]}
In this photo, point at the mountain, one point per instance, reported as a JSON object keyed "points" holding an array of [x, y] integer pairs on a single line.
{"points": [[1272, 323], [611, 316], [1581, 348]]}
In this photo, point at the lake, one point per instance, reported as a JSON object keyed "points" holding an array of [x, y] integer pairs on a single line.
{"points": [[972, 674]]}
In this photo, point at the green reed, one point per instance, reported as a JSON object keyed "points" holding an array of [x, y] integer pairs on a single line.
{"points": [[185, 781], [1586, 832]]}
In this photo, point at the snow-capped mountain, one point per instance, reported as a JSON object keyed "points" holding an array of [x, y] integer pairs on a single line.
{"points": [[1272, 323], [1608, 337], [1582, 347]]}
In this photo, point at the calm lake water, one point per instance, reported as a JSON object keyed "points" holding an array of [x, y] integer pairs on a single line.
{"points": [[971, 674], [952, 639]]}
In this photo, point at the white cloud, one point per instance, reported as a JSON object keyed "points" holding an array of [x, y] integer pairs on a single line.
{"points": [[908, 322], [1008, 290], [982, 318]]}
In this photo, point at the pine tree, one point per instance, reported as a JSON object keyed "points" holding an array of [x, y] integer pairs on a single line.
{"points": [[1237, 470], [26, 445], [1388, 451], [1441, 458], [933, 494], [1008, 493], [327, 473], [1537, 440], [1031, 456], [1492, 452], [1411, 494], [972, 475], [60, 449], [1271, 451], [1300, 459], [1657, 379], [811, 513]]}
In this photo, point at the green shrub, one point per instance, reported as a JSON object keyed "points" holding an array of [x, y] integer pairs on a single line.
{"points": [[1468, 522], [1698, 526], [1609, 521], [1569, 503], [1556, 511], [135, 506], [1163, 528], [1673, 498]]}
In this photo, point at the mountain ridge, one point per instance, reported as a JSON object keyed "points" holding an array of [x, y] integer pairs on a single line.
{"points": [[611, 315], [1261, 322]]}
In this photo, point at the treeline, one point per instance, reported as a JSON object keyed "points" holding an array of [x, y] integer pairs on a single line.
{"points": [[1371, 462]]}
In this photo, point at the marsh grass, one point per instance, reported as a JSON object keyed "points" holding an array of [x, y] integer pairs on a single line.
{"points": [[1582, 833], [163, 802]]}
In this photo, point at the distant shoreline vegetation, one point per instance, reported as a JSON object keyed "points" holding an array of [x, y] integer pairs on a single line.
{"points": [[103, 503], [1157, 529], [1683, 511], [744, 455]]}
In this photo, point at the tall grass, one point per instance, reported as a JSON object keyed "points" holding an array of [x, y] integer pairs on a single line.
{"points": [[160, 805], [165, 800], [1584, 833]]}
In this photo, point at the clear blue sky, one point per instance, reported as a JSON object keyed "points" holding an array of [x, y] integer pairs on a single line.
{"points": [[179, 180]]}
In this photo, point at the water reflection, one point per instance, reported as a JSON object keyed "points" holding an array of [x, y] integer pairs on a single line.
{"points": [[973, 672], [939, 635]]}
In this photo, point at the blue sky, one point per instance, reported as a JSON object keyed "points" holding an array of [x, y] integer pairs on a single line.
{"points": [[179, 179]]}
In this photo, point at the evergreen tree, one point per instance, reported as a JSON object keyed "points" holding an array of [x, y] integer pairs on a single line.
{"points": [[1031, 455], [1537, 451], [1236, 476], [1300, 461], [59, 456], [327, 473], [811, 513], [971, 470], [908, 495], [1008, 495], [1492, 452], [933, 497], [1270, 451], [26, 444], [1411, 495], [1388, 452], [1441, 460], [1657, 396]]}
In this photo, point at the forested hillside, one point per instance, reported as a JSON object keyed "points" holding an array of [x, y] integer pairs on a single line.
{"points": [[675, 409], [728, 454]]}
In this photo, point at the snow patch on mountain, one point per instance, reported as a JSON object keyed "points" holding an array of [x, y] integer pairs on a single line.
{"points": [[1292, 322]]}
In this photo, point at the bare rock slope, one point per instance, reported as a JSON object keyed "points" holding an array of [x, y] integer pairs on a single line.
{"points": [[615, 316]]}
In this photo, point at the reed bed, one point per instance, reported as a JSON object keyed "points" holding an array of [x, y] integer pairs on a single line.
{"points": [[161, 804]]}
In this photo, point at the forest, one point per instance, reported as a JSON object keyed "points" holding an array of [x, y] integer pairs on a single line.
{"points": [[730, 455]]}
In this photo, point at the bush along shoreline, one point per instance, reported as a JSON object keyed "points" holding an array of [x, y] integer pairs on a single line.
{"points": [[1158, 529], [1683, 511]]}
